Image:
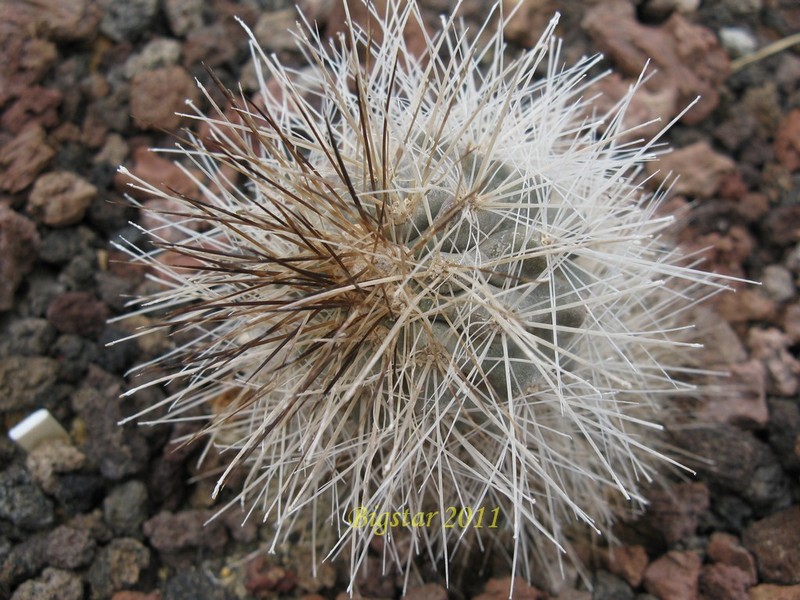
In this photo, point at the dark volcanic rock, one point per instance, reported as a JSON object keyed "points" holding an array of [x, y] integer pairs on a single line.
{"points": [[170, 532], [190, 585], [22, 502], [28, 337], [69, 548], [19, 243], [78, 312], [125, 508], [53, 584], [118, 566], [775, 541]]}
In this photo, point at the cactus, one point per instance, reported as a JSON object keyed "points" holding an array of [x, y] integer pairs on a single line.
{"points": [[419, 282]]}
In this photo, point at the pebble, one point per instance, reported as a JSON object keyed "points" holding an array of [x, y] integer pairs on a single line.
{"points": [[606, 586], [775, 542], [19, 243], [160, 172], [59, 246], [771, 346], [743, 402], [429, 591], [25, 561], [52, 458], [768, 591], [53, 584], [125, 508], [780, 226], [74, 354], [784, 431], [194, 584], [27, 60], [125, 21], [26, 382], [69, 548], [28, 337], [65, 20], [78, 492], [80, 313], [628, 562], [273, 30], [118, 566], [674, 576], [117, 451], [264, 577], [160, 52], [22, 502], [170, 532], [60, 199], [787, 141], [724, 581], [727, 549], [687, 57], [743, 465], [778, 283], [676, 511], [738, 41], [35, 105], [23, 158], [499, 589], [184, 16], [701, 170], [158, 94]]}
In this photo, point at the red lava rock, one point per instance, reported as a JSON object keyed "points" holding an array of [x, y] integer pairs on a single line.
{"points": [[654, 107], [19, 244], [746, 305], [158, 94], [775, 542], [724, 581], [264, 578], [23, 157], [37, 104], [688, 57], [700, 170], [744, 400], [781, 226], [25, 59], [499, 589], [675, 511], [65, 20], [429, 591], [60, 198], [674, 576], [629, 562], [767, 591], [170, 532], [136, 596], [78, 312], [771, 347], [727, 549], [159, 172], [526, 25], [787, 141], [791, 322]]}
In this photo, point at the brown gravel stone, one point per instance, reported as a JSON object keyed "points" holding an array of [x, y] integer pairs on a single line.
{"points": [[787, 141], [688, 57], [157, 95], [51, 458], [65, 20], [771, 347], [118, 566], [498, 589], [723, 581], [19, 244], [768, 591], [78, 312], [676, 511], [527, 23], [35, 104], [746, 305], [159, 172], [781, 226], [136, 596], [727, 549], [701, 170], [25, 59], [52, 584], [775, 542], [743, 402], [429, 591], [629, 562], [674, 576], [170, 532], [69, 548], [23, 157], [60, 198]]}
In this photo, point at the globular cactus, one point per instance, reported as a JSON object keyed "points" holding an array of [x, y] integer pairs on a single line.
{"points": [[415, 282]]}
